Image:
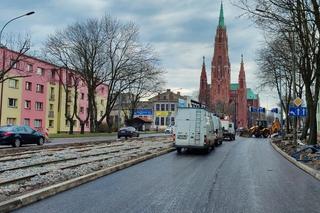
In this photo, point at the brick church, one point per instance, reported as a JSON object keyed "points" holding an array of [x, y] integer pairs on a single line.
{"points": [[221, 96]]}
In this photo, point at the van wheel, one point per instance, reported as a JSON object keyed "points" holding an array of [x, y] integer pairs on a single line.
{"points": [[207, 150], [179, 150]]}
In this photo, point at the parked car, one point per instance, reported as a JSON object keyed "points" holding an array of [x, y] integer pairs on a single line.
{"points": [[169, 130], [18, 135], [128, 131]]}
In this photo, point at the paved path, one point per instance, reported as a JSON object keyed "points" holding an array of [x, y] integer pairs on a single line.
{"points": [[242, 176]]}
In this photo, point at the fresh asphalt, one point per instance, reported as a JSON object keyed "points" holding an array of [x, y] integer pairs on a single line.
{"points": [[246, 175]]}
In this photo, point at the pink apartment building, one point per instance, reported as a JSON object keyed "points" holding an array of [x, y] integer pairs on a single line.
{"points": [[39, 99]]}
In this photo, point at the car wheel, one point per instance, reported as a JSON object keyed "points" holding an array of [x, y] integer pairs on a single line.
{"points": [[137, 135], [179, 150], [119, 136], [40, 142], [16, 143]]}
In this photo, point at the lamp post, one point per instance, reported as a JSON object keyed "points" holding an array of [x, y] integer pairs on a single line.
{"points": [[3, 55]]}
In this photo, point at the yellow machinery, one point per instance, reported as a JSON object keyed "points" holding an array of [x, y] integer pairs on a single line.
{"points": [[260, 129]]}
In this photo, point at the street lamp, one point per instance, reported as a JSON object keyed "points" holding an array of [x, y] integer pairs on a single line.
{"points": [[3, 54], [4, 26]]}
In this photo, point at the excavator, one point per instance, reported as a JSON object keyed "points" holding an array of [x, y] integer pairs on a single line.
{"points": [[261, 129]]}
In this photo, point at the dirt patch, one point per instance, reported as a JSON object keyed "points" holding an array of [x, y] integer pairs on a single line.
{"points": [[309, 155]]}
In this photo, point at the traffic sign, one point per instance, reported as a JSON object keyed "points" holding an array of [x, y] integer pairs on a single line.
{"points": [[298, 111], [298, 101], [274, 110]]}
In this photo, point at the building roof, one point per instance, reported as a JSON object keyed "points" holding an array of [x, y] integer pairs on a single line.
{"points": [[221, 16], [251, 95], [234, 86]]}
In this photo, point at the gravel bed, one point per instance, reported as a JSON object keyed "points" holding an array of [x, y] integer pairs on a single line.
{"points": [[54, 173]]}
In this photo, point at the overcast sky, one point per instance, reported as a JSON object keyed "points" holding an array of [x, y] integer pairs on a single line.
{"points": [[181, 31]]}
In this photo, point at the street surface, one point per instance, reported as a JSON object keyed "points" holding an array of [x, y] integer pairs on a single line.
{"points": [[242, 176]]}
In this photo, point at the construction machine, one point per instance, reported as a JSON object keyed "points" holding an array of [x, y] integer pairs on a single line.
{"points": [[260, 129]]}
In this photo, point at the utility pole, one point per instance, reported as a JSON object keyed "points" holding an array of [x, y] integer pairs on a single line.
{"points": [[294, 87]]}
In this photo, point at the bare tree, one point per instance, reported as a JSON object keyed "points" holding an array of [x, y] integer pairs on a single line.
{"points": [[80, 47], [301, 21], [12, 57], [126, 57], [148, 82]]}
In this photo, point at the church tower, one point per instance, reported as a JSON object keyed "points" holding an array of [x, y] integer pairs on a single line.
{"points": [[220, 70], [242, 105], [203, 92]]}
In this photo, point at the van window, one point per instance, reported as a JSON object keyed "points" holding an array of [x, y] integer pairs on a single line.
{"points": [[230, 125]]}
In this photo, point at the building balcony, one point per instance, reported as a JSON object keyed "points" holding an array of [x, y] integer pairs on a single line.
{"points": [[51, 114], [52, 97]]}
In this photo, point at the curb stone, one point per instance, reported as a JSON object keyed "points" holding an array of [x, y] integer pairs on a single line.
{"points": [[49, 191], [314, 173]]}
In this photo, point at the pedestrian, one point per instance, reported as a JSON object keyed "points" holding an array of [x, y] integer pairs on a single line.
{"points": [[46, 136]]}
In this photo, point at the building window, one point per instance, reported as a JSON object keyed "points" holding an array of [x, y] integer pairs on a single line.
{"points": [[37, 123], [172, 121], [81, 110], [173, 107], [52, 75], [101, 102], [101, 113], [29, 67], [82, 96], [14, 64], [51, 123], [157, 121], [163, 107], [164, 97], [28, 86], [11, 121], [12, 102], [162, 121], [40, 71], [157, 107], [27, 104], [39, 88], [167, 121], [26, 121], [167, 107], [13, 83], [39, 106], [51, 106]]}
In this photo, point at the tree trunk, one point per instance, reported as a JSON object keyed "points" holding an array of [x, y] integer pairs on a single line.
{"points": [[71, 127], [109, 123], [313, 125], [306, 128], [82, 125]]}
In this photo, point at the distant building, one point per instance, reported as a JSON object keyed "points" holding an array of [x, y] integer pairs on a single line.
{"points": [[165, 108]]}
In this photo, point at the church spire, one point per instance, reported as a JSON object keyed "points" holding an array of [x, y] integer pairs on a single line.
{"points": [[221, 16]]}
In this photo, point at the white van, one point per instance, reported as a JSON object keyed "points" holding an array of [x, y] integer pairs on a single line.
{"points": [[194, 129], [217, 129], [228, 130]]}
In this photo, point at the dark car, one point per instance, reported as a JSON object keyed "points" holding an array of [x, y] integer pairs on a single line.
{"points": [[128, 131], [18, 135]]}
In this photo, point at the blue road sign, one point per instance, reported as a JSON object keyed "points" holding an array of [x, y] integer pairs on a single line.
{"points": [[141, 112], [298, 111]]}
